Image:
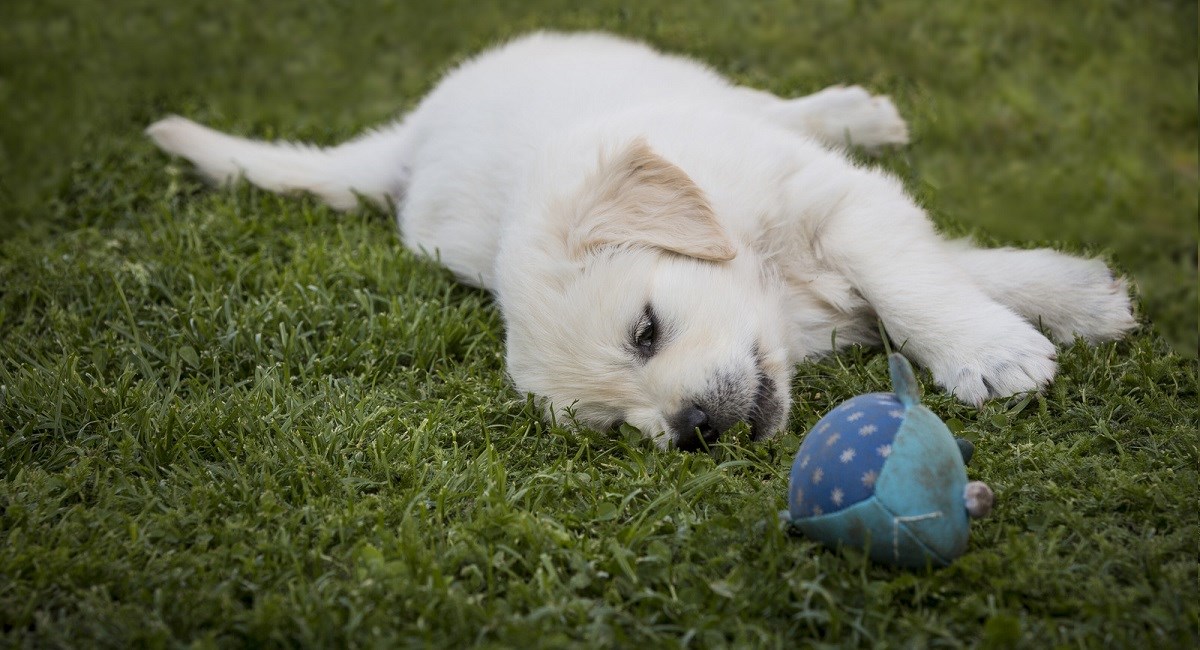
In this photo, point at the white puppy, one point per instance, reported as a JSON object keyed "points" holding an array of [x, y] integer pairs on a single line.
{"points": [[665, 246]]}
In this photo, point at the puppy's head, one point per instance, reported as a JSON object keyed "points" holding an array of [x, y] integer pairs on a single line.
{"points": [[625, 300]]}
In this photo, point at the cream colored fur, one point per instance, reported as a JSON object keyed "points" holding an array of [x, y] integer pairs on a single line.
{"points": [[666, 246], [641, 199]]}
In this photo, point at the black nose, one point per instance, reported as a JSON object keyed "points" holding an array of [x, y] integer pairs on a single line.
{"points": [[692, 427], [694, 418]]}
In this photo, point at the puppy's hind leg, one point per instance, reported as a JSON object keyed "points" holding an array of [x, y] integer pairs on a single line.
{"points": [[842, 116], [1066, 296]]}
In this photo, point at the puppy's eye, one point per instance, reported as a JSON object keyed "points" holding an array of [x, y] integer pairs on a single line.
{"points": [[645, 334]]}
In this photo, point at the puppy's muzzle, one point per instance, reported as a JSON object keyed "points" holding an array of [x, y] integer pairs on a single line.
{"points": [[702, 422]]}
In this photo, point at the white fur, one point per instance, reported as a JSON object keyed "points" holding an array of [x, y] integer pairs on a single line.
{"points": [[755, 242]]}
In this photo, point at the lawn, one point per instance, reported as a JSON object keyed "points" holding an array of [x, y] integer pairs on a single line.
{"points": [[234, 419]]}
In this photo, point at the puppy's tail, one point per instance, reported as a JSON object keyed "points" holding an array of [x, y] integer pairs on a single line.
{"points": [[370, 166]]}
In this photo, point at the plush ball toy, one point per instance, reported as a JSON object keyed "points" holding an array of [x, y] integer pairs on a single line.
{"points": [[882, 473]]}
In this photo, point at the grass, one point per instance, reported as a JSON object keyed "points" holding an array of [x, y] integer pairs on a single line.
{"points": [[235, 419]]}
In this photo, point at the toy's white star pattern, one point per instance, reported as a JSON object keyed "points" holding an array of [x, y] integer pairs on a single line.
{"points": [[841, 465]]}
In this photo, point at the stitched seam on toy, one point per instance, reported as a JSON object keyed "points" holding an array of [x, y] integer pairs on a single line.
{"points": [[896, 521]]}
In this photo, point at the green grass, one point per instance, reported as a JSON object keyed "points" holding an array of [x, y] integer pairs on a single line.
{"points": [[229, 418]]}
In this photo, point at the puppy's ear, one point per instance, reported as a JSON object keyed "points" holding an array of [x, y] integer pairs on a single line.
{"points": [[638, 197]]}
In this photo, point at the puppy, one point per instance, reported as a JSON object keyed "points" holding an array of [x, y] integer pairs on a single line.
{"points": [[665, 246]]}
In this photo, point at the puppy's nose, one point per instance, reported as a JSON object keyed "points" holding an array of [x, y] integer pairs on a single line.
{"points": [[691, 426], [694, 418]]}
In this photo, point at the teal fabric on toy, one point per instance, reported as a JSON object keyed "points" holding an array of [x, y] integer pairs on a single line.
{"points": [[882, 473]]}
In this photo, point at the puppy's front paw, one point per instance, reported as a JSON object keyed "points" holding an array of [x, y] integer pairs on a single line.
{"points": [[1016, 360]]}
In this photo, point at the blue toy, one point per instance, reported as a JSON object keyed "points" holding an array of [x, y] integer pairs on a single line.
{"points": [[882, 473]]}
